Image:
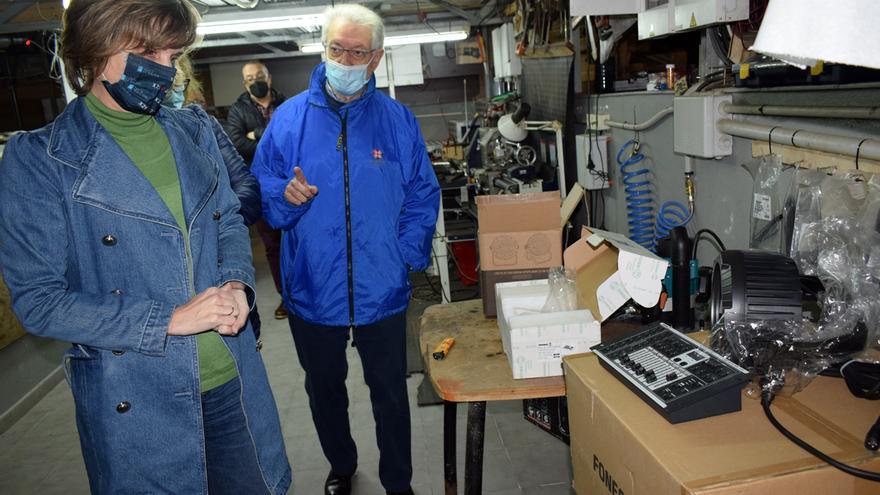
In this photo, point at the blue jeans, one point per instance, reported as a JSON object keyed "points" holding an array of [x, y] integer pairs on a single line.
{"points": [[382, 348], [229, 449]]}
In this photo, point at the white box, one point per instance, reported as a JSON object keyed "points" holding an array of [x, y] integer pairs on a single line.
{"points": [[406, 66], [678, 16], [604, 7], [656, 22], [507, 62], [596, 147], [535, 342], [696, 126], [699, 14]]}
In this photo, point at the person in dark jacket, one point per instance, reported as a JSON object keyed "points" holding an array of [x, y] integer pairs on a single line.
{"points": [[185, 91], [344, 173], [245, 124]]}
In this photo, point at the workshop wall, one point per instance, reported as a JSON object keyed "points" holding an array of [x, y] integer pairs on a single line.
{"points": [[434, 103], [724, 188], [289, 76]]}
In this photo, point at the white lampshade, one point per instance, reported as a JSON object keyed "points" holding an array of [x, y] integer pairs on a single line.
{"points": [[801, 32]]}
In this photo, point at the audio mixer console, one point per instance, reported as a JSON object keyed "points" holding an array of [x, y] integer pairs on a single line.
{"points": [[680, 378]]}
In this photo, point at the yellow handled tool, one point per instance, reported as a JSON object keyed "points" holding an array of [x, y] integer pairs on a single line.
{"points": [[442, 348]]}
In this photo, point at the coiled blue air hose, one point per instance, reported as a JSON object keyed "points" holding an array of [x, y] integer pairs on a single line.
{"points": [[640, 212], [672, 214]]}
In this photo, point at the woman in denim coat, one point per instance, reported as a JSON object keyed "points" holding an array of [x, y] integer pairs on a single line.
{"points": [[120, 234]]}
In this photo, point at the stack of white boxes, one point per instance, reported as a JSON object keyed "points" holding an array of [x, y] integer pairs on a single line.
{"points": [[535, 342]]}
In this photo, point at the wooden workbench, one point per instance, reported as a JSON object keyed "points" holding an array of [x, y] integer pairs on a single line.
{"points": [[474, 371], [476, 368]]}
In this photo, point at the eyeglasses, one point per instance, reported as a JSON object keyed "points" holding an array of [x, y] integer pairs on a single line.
{"points": [[357, 54], [181, 86], [259, 77]]}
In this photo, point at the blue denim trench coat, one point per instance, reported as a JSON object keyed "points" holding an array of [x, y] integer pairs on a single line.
{"points": [[92, 256]]}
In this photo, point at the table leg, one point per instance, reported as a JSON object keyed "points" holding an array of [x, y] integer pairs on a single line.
{"points": [[473, 468], [449, 470]]}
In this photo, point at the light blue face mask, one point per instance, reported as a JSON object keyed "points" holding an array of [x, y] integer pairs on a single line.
{"points": [[346, 79], [174, 99]]}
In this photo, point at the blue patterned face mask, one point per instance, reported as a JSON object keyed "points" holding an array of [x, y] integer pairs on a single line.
{"points": [[143, 85], [346, 79]]}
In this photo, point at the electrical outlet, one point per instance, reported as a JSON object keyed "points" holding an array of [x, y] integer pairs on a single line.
{"points": [[598, 121]]}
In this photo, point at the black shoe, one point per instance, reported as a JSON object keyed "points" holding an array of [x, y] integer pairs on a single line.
{"points": [[281, 312], [337, 484], [408, 491]]}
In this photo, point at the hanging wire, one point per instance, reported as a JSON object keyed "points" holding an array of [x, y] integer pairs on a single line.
{"points": [[859, 152]]}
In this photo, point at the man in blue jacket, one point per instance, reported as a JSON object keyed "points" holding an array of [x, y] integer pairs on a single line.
{"points": [[345, 174]]}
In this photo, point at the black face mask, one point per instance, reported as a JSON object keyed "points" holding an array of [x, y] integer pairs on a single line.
{"points": [[259, 89]]}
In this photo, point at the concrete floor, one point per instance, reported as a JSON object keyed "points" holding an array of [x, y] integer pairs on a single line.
{"points": [[41, 454]]}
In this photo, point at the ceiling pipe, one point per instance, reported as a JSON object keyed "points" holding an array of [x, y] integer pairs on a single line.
{"points": [[866, 113]]}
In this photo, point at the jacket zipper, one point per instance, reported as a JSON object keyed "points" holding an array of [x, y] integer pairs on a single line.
{"points": [[343, 141]]}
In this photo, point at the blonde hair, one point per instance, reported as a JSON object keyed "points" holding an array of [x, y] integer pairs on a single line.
{"points": [[194, 87], [94, 30]]}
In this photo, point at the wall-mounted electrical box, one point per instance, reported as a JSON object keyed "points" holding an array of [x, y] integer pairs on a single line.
{"points": [[604, 7], [676, 16], [696, 126], [592, 173], [507, 62]]}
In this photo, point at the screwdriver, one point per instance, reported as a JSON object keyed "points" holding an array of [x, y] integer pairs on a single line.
{"points": [[442, 348]]}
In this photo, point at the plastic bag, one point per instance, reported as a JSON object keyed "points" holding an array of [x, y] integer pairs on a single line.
{"points": [[563, 291], [767, 216], [807, 218], [781, 353]]}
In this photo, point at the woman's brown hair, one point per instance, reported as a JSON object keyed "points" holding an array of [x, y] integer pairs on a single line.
{"points": [[94, 30]]}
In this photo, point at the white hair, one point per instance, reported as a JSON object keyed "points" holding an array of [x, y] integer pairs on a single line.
{"points": [[355, 14]]}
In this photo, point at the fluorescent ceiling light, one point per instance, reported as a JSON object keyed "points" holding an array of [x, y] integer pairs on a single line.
{"points": [[415, 39], [312, 48], [260, 24], [403, 39]]}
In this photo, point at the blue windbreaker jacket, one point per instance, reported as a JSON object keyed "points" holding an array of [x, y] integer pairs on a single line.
{"points": [[346, 253]]}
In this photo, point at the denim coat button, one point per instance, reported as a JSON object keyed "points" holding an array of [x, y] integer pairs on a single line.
{"points": [[116, 292], [123, 407], [109, 240], [217, 215]]}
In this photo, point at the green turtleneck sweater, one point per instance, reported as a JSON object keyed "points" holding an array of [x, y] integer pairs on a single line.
{"points": [[144, 141]]}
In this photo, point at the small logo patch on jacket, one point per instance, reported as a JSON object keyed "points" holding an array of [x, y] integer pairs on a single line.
{"points": [[377, 154]]}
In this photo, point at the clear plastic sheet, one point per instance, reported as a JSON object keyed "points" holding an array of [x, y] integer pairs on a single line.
{"points": [[836, 239], [563, 291], [807, 217], [784, 354], [766, 221]]}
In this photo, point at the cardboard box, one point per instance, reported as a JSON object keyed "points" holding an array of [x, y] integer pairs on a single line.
{"points": [[536, 342], [488, 281], [468, 52], [611, 269], [519, 231], [621, 446]]}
